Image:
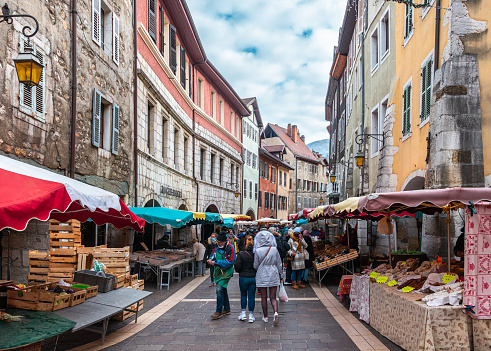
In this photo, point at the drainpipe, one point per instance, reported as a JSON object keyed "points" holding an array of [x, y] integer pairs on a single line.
{"points": [[296, 186], [362, 59], [135, 101], [73, 88], [194, 146], [437, 36]]}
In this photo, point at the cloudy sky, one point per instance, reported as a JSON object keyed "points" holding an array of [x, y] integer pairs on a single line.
{"points": [[279, 51]]}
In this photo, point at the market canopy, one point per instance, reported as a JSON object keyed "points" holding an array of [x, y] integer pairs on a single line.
{"points": [[175, 218], [305, 213], [237, 217], [293, 216], [29, 192], [268, 221]]}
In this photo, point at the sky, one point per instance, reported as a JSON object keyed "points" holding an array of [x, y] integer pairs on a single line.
{"points": [[278, 51]]}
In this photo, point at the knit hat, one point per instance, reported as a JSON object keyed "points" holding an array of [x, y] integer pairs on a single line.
{"points": [[222, 236], [297, 230], [305, 233]]}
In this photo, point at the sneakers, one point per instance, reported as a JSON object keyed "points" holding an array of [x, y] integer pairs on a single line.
{"points": [[226, 313], [276, 319], [251, 318], [265, 319], [286, 283], [217, 315], [212, 284], [243, 316]]}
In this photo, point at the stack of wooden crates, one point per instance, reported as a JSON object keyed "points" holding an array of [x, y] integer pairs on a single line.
{"points": [[117, 262], [38, 267], [134, 283], [64, 240]]}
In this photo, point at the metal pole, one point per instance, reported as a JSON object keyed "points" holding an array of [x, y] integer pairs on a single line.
{"points": [[390, 232], [449, 220]]}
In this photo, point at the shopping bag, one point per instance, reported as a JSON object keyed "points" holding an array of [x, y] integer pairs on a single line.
{"points": [[283, 296]]}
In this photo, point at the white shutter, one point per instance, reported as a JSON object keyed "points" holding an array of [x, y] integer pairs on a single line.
{"points": [[32, 98], [96, 21], [115, 134], [26, 92], [40, 89], [96, 118], [115, 39]]}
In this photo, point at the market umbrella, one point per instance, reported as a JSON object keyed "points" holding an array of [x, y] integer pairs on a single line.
{"points": [[293, 216], [164, 216], [237, 217], [267, 221], [304, 213], [29, 192]]}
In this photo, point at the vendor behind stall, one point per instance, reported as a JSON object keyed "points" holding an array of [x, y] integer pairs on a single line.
{"points": [[458, 249]]}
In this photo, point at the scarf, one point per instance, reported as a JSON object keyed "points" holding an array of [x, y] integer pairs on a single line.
{"points": [[300, 245]]}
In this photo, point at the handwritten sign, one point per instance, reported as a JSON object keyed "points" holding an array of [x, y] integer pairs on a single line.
{"points": [[403, 263], [447, 278], [392, 283], [382, 280], [374, 275], [407, 289]]}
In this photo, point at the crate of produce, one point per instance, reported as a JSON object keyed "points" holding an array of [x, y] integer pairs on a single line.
{"points": [[62, 264], [77, 295], [105, 283], [91, 290], [38, 267], [116, 260], [64, 235], [37, 298], [124, 315]]}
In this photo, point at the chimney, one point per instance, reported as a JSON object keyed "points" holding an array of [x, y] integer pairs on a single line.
{"points": [[303, 138], [289, 129], [294, 134]]}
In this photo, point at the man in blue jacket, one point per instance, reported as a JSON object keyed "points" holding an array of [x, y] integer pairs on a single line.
{"points": [[223, 259]]}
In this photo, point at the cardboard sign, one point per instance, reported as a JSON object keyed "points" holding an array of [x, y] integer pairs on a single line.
{"points": [[374, 275], [407, 289], [392, 283], [382, 279]]}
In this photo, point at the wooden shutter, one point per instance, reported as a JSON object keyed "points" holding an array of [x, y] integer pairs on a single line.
{"points": [[26, 92], [172, 48], [96, 118], [32, 98], [183, 67], [115, 39], [190, 81], [96, 21], [40, 89], [428, 80], [115, 131], [152, 19], [161, 30], [423, 92]]}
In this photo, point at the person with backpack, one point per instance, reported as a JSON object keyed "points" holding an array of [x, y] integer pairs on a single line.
{"points": [[244, 265]]}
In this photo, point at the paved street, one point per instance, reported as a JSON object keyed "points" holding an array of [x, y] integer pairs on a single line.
{"points": [[312, 319]]}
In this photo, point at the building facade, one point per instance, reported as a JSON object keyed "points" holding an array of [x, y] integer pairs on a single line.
{"points": [[251, 129]]}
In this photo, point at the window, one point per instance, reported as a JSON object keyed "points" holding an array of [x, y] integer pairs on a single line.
{"points": [[212, 168], [426, 80], [374, 49], [266, 200], [186, 153], [406, 126], [232, 175], [272, 202], [182, 67], [202, 164], [280, 177], [237, 174], [356, 81], [32, 99], [299, 202], [360, 78], [152, 19], [172, 48], [291, 183], [310, 202], [374, 143], [150, 117], [245, 189], [176, 148], [254, 161], [408, 22], [315, 202], [105, 28], [385, 35], [232, 123], [213, 103], [222, 112], [266, 170], [260, 199], [164, 139], [201, 92], [256, 188], [305, 202], [250, 190], [383, 112], [299, 184], [220, 172], [273, 175], [248, 157]]}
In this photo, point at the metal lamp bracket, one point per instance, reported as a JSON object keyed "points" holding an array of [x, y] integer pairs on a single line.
{"points": [[27, 31]]}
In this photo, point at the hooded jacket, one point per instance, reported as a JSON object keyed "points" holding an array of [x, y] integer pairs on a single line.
{"points": [[267, 260]]}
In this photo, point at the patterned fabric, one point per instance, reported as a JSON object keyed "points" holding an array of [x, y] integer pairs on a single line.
{"points": [[360, 297], [299, 259], [477, 281], [344, 287], [482, 334], [414, 326]]}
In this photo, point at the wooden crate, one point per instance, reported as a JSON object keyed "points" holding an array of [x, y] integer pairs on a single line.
{"points": [[124, 315], [79, 296], [85, 257], [62, 264], [64, 235], [141, 284], [116, 260], [38, 267], [36, 298], [91, 290], [119, 281]]}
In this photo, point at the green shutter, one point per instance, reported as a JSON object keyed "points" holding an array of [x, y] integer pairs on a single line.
{"points": [[423, 92], [173, 48], [429, 83], [96, 118], [115, 130]]}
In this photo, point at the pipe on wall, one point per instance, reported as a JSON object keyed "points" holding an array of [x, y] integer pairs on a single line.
{"points": [[73, 89], [437, 35], [135, 100]]}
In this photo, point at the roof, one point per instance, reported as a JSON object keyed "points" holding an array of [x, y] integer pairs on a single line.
{"points": [[299, 149], [275, 148], [181, 16], [265, 153], [253, 101]]}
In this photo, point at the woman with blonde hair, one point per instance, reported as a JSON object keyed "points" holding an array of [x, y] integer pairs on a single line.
{"points": [[298, 251]]}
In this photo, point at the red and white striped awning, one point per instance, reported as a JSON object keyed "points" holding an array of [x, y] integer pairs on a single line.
{"points": [[29, 192]]}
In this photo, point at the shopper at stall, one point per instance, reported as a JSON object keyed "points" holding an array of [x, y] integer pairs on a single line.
{"points": [[212, 244], [222, 259], [199, 251], [322, 234], [297, 252], [315, 232], [267, 262], [244, 265], [310, 256], [288, 260]]}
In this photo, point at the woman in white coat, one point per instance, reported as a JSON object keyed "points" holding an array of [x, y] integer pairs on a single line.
{"points": [[199, 252], [267, 263]]}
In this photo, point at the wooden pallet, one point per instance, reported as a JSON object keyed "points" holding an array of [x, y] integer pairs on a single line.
{"points": [[116, 260], [64, 235], [62, 264], [38, 267]]}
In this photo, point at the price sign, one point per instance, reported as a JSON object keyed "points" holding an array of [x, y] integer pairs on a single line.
{"points": [[403, 263], [392, 283], [447, 278], [374, 275], [407, 289], [382, 279]]}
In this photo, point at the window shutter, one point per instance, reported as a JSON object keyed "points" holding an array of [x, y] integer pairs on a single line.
{"points": [[115, 39], [423, 92], [26, 92], [172, 48], [429, 79], [152, 19], [190, 82], [32, 98], [96, 118], [183, 67], [40, 88], [161, 31], [96, 21], [115, 135]]}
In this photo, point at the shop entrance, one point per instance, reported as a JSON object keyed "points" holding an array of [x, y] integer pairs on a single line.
{"points": [[207, 229]]}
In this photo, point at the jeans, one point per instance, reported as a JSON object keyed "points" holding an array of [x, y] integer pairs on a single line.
{"points": [[297, 275], [247, 290], [289, 271], [201, 267], [223, 304], [305, 274], [212, 268]]}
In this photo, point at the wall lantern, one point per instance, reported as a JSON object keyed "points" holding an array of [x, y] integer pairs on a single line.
{"points": [[237, 194], [360, 158], [28, 67], [360, 155], [321, 200], [332, 177]]}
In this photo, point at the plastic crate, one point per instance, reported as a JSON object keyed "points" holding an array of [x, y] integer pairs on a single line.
{"points": [[88, 277]]}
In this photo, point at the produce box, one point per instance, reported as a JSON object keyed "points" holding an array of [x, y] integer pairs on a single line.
{"points": [[404, 255], [116, 260], [64, 235], [62, 264], [76, 298], [37, 298], [119, 281], [38, 267], [91, 290], [91, 278]]}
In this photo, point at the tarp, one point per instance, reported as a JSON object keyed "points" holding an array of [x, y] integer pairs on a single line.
{"points": [[29, 192], [237, 217], [228, 222], [175, 218], [301, 221]]}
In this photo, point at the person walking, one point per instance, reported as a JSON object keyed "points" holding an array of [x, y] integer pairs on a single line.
{"points": [[199, 252], [297, 251], [212, 244], [310, 256], [222, 259], [267, 262], [244, 265]]}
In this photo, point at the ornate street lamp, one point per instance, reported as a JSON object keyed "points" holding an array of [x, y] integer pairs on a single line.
{"points": [[28, 67], [360, 158], [360, 155], [321, 200], [332, 177]]}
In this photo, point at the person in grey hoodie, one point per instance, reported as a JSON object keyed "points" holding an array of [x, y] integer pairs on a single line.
{"points": [[267, 263]]}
